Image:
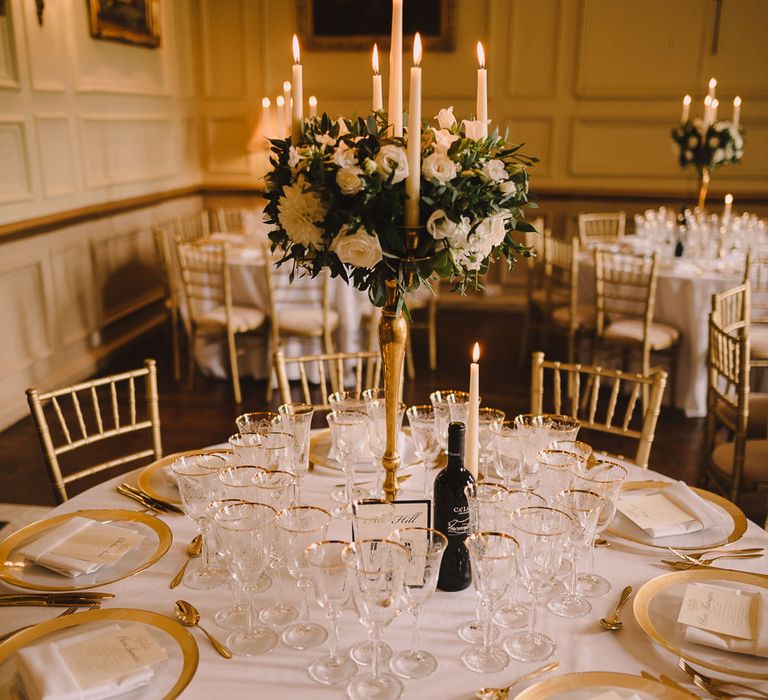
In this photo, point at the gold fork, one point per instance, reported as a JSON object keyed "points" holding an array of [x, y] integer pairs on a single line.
{"points": [[68, 611], [712, 686]]}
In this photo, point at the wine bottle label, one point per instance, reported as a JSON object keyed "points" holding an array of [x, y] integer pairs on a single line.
{"points": [[459, 524]]}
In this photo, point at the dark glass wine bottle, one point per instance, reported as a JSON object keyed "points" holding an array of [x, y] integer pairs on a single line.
{"points": [[452, 514]]}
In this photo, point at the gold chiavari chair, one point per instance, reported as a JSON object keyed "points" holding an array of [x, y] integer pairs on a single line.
{"points": [[301, 309], [229, 220], [94, 422], [737, 463], [756, 273], [534, 287], [625, 296], [331, 370], [561, 282], [606, 227], [616, 412], [161, 236], [188, 229], [208, 293]]}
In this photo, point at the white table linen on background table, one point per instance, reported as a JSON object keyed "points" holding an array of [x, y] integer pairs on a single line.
{"points": [[582, 644], [249, 288], [683, 300]]}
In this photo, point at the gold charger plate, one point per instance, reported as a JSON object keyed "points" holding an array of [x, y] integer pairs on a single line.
{"points": [[657, 605], [602, 682], [155, 479], [17, 571], [320, 446], [166, 626], [736, 527]]}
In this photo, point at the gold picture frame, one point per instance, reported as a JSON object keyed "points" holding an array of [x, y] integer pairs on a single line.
{"points": [[134, 22], [347, 25]]}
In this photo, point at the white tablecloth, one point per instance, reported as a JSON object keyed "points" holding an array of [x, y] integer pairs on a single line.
{"points": [[249, 288], [683, 300], [582, 644]]}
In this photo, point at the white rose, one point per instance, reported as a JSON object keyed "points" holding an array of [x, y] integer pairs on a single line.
{"points": [[392, 159], [344, 156], [495, 170], [443, 140], [439, 225], [360, 248], [445, 118], [508, 187], [497, 229], [438, 167], [473, 129], [349, 180]]}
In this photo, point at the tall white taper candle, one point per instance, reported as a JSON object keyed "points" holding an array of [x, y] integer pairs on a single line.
{"points": [[686, 109], [312, 106], [395, 96], [413, 182], [286, 125], [736, 111], [297, 116], [471, 456], [482, 91], [378, 98]]}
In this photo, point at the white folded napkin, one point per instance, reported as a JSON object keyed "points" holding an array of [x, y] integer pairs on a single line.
{"points": [[40, 552], [45, 676], [753, 647]]}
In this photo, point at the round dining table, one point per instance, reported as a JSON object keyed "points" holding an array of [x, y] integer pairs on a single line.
{"points": [[582, 645]]}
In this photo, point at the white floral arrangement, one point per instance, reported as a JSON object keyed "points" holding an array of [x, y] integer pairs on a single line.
{"points": [[336, 200], [708, 145]]}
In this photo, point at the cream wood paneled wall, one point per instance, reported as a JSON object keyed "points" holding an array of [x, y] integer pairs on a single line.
{"points": [[593, 87], [84, 121]]}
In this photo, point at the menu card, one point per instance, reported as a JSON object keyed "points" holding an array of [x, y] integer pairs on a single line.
{"points": [[99, 543], [720, 610], [652, 511], [111, 655]]}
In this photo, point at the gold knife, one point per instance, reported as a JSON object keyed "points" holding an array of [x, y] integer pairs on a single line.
{"points": [[138, 499], [86, 595], [165, 505]]}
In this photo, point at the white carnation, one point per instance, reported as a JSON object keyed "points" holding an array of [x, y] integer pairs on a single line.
{"points": [[300, 212], [349, 181], [344, 156], [494, 170], [392, 159], [445, 118], [440, 167], [361, 249]]}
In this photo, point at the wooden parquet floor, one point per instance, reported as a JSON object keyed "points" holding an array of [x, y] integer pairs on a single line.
{"points": [[205, 415]]}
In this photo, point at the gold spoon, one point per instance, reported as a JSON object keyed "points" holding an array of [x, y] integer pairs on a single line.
{"points": [[612, 623], [188, 615], [194, 550], [503, 693]]}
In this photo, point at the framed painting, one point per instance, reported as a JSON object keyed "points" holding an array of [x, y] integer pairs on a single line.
{"points": [[354, 25], [129, 21]]}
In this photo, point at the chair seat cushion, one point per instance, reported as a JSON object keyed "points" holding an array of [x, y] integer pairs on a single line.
{"points": [[758, 414], [755, 460], [584, 316], [244, 318], [758, 341], [304, 321], [630, 331]]}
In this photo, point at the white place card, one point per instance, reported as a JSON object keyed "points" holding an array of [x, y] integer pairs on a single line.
{"points": [[407, 514], [99, 543], [652, 510], [720, 610], [111, 655]]}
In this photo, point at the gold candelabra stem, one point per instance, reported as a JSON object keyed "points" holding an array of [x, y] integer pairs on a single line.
{"points": [[703, 187]]}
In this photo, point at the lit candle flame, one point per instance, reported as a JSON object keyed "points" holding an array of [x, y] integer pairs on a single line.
{"points": [[737, 101], [729, 199], [280, 101], [480, 54], [375, 60], [287, 86], [712, 83], [476, 352], [265, 102], [296, 51], [687, 100], [417, 49], [715, 104], [312, 101], [707, 100]]}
